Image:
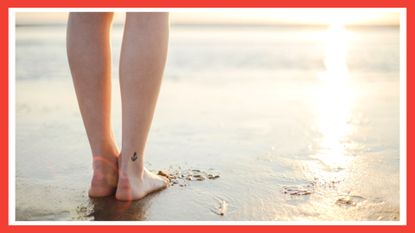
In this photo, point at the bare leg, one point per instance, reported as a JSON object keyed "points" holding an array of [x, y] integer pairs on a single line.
{"points": [[89, 55], [143, 57]]}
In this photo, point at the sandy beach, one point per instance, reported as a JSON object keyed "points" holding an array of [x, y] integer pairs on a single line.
{"points": [[252, 123]]}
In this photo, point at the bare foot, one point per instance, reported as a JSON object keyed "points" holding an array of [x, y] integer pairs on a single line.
{"points": [[105, 176], [133, 186]]}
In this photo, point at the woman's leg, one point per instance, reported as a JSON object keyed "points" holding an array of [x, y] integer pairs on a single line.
{"points": [[143, 56], [89, 55]]}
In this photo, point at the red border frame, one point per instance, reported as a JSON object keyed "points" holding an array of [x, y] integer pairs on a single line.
{"points": [[6, 4]]}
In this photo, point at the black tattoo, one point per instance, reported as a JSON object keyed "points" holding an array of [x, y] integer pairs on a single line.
{"points": [[134, 157]]}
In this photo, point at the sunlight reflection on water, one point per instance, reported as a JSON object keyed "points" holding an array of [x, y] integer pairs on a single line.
{"points": [[334, 99]]}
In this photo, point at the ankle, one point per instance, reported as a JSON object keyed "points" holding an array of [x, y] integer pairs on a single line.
{"points": [[129, 171], [129, 158], [107, 151], [105, 161]]}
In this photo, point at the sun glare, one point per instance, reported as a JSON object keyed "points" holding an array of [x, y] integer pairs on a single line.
{"points": [[334, 98]]}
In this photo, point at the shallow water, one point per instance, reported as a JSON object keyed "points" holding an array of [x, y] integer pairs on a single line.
{"points": [[299, 123]]}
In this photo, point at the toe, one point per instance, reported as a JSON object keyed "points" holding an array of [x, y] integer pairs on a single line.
{"points": [[166, 181]]}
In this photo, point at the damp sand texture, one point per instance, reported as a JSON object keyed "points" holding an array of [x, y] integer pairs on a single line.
{"points": [[251, 124]]}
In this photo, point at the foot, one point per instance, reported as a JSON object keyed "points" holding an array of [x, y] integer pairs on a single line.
{"points": [[133, 186], [105, 176]]}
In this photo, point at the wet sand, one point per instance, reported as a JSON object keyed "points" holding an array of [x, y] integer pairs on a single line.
{"points": [[243, 142]]}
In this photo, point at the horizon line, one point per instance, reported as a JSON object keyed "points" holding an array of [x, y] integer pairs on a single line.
{"points": [[240, 25]]}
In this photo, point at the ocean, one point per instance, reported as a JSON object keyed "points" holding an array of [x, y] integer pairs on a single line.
{"points": [[298, 123]]}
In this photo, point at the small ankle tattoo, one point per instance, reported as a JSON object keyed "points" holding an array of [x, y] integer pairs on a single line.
{"points": [[134, 157]]}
